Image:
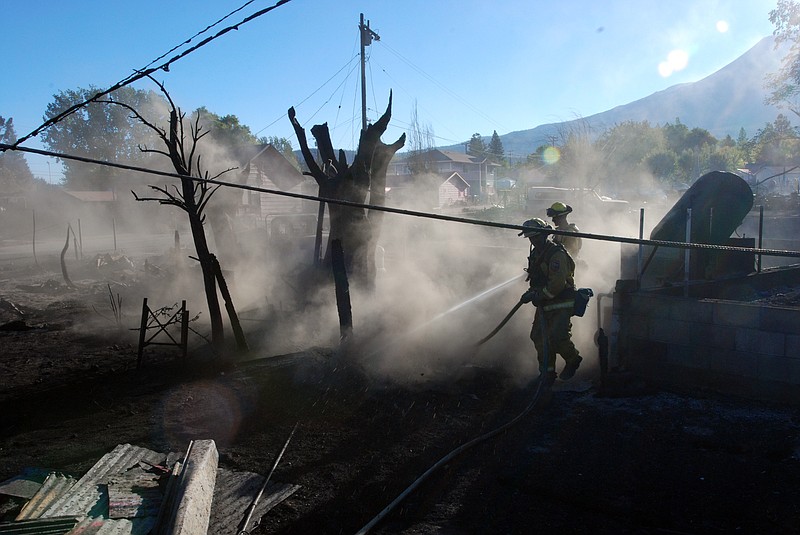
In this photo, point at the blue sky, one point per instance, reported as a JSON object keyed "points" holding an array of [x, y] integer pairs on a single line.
{"points": [[467, 66]]}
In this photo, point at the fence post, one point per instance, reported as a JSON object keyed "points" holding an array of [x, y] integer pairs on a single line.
{"points": [[142, 332]]}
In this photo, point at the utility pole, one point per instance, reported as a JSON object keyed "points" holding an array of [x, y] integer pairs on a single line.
{"points": [[367, 36]]}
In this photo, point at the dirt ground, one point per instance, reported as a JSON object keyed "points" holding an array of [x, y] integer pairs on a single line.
{"points": [[635, 460]]}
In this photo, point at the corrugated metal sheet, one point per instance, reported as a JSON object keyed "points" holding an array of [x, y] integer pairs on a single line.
{"points": [[233, 494], [39, 526], [53, 489], [105, 526], [134, 494], [88, 497]]}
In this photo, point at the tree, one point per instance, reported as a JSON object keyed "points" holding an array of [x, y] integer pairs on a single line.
{"points": [[101, 132], [785, 84], [421, 142], [354, 231], [14, 171], [193, 196], [476, 147], [777, 143], [495, 150]]}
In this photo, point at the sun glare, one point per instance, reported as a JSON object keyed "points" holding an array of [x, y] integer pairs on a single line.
{"points": [[551, 155], [722, 26], [677, 60]]}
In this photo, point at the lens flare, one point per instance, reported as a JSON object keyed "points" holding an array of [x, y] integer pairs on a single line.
{"points": [[677, 60], [551, 155], [722, 26]]}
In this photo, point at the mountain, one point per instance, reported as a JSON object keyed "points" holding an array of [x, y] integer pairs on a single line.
{"points": [[724, 102]]}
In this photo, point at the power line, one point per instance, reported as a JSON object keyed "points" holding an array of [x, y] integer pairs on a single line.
{"points": [[204, 30], [315, 91], [412, 213], [145, 72]]}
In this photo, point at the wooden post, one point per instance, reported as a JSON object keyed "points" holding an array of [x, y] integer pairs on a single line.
{"points": [[142, 333], [80, 237], [34, 239], [184, 329], [238, 333], [342, 290]]}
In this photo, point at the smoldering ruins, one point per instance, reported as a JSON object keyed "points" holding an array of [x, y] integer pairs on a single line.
{"points": [[339, 386]]}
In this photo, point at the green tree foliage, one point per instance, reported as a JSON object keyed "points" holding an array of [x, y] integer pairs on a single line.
{"points": [[101, 131], [777, 143], [284, 146], [785, 84], [476, 146], [225, 131], [495, 151], [14, 171]]}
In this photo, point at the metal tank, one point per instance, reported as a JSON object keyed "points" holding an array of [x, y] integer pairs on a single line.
{"points": [[719, 202]]}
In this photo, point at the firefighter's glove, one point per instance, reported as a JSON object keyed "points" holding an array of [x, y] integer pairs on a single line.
{"points": [[529, 297]]}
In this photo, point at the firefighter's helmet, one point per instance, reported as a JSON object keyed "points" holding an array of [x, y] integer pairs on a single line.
{"points": [[558, 208], [533, 226]]}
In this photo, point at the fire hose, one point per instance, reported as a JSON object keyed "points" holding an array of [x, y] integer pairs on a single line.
{"points": [[501, 325], [541, 386]]}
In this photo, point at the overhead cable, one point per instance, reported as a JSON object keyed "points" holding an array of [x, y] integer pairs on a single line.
{"points": [[144, 73], [412, 213]]}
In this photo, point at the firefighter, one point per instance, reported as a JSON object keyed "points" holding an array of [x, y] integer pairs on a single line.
{"points": [[552, 291], [558, 212]]}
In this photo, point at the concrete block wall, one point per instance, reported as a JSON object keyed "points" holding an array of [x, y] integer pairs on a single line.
{"points": [[739, 348]]}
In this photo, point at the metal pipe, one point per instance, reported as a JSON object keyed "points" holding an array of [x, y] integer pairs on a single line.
{"points": [[760, 232], [686, 254], [641, 249]]}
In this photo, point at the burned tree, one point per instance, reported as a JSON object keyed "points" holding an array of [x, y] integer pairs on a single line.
{"points": [[192, 197], [354, 230]]}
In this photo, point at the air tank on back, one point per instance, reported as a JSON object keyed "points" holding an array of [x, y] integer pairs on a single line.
{"points": [[719, 202]]}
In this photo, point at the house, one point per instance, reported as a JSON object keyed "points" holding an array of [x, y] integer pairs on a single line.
{"points": [[267, 168], [477, 172], [772, 179], [454, 190]]}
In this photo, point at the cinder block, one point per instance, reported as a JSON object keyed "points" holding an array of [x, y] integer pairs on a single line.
{"points": [[687, 357], [712, 337], [736, 314], [781, 369], [669, 331], [792, 346], [784, 320], [734, 363], [650, 305], [760, 342], [196, 490], [692, 310], [638, 326]]}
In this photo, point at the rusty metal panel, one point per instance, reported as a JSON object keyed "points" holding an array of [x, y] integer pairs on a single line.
{"points": [[55, 486], [233, 494], [89, 496], [134, 494], [105, 526]]}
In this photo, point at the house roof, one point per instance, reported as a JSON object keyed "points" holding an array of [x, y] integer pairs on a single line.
{"points": [[275, 165], [458, 181]]}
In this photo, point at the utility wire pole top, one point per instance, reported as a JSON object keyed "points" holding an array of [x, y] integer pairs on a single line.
{"points": [[367, 36]]}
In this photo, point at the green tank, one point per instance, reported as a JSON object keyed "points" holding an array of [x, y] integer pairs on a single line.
{"points": [[719, 202]]}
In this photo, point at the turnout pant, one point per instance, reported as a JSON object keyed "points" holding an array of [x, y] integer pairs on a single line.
{"points": [[558, 329]]}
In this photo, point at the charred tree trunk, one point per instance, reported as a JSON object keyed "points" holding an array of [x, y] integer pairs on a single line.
{"points": [[192, 197], [354, 230], [362, 182]]}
